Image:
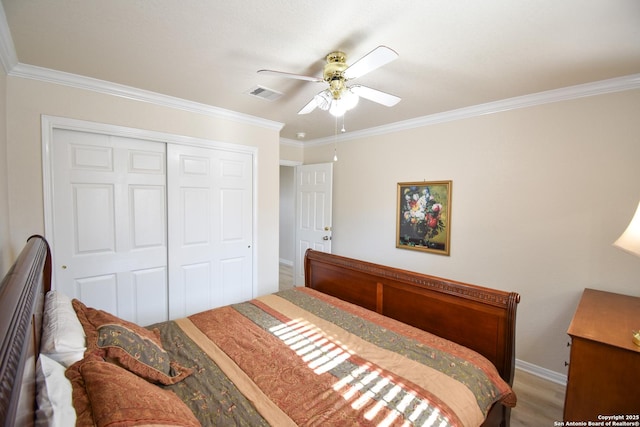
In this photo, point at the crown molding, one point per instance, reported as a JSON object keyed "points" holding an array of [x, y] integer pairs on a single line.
{"points": [[601, 87], [114, 89], [618, 84], [14, 68]]}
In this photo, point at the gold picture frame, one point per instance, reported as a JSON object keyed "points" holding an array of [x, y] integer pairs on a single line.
{"points": [[424, 216]]}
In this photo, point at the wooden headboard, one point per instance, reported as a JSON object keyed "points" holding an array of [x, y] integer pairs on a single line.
{"points": [[21, 304], [479, 318]]}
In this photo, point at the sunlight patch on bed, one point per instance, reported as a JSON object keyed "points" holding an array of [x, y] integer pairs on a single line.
{"points": [[311, 344], [364, 386]]}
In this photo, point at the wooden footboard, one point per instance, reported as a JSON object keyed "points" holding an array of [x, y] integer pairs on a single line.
{"points": [[479, 318], [21, 304]]}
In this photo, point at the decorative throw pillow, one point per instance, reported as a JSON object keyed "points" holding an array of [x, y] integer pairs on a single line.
{"points": [[131, 346], [138, 354], [107, 395]]}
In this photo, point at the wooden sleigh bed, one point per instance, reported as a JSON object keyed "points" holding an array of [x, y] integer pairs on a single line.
{"points": [[482, 320]]}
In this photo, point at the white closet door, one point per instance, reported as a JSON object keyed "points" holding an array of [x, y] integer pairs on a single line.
{"points": [[314, 188], [210, 231], [109, 209]]}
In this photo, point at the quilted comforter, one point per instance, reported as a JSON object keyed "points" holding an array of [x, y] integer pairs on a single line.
{"points": [[300, 357]]}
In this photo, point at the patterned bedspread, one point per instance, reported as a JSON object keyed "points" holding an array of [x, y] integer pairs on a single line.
{"points": [[300, 357]]}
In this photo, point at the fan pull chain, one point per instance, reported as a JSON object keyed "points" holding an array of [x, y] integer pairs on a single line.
{"points": [[335, 142]]}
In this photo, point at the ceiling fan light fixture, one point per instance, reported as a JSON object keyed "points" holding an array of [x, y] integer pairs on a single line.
{"points": [[337, 108], [349, 99], [339, 97]]}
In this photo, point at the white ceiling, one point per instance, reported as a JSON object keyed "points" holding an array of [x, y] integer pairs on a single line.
{"points": [[453, 53]]}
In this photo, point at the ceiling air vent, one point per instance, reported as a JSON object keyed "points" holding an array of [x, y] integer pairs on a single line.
{"points": [[264, 93]]}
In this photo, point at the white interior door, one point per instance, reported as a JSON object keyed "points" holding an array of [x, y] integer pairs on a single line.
{"points": [[314, 185], [109, 209], [210, 231]]}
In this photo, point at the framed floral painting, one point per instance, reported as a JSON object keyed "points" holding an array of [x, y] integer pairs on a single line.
{"points": [[424, 216]]}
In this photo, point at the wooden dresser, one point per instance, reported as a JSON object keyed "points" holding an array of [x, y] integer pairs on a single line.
{"points": [[604, 369]]}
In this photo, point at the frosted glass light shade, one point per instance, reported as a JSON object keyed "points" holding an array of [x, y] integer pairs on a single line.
{"points": [[337, 108], [630, 240], [349, 99]]}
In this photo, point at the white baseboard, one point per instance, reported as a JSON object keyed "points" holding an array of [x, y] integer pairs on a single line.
{"points": [[286, 262], [541, 372]]}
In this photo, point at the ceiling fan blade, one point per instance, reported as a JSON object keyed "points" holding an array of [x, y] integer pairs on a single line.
{"points": [[290, 75], [375, 95], [375, 59], [311, 105]]}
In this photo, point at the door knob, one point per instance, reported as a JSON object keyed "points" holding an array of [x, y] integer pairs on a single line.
{"points": [[325, 238]]}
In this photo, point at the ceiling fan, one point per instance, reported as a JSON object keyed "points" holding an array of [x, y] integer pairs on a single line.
{"points": [[340, 97]]}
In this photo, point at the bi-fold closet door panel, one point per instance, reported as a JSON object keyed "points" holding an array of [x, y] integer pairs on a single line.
{"points": [[116, 211]]}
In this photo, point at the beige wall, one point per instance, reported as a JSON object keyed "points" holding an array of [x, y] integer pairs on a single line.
{"points": [[539, 195], [5, 246], [287, 214], [291, 153], [29, 99]]}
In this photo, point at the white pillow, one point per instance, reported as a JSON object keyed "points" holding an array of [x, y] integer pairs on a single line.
{"points": [[63, 338], [53, 395]]}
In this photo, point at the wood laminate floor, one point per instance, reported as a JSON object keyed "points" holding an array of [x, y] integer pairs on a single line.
{"points": [[286, 277], [540, 402]]}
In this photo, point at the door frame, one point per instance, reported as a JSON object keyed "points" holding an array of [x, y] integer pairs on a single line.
{"points": [[292, 241], [49, 123]]}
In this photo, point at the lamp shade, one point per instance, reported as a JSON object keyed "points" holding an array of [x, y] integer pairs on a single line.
{"points": [[630, 239]]}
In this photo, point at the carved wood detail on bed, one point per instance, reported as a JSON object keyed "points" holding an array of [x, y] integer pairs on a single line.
{"points": [[21, 304]]}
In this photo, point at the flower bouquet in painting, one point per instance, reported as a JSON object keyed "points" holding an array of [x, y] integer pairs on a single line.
{"points": [[423, 216]]}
